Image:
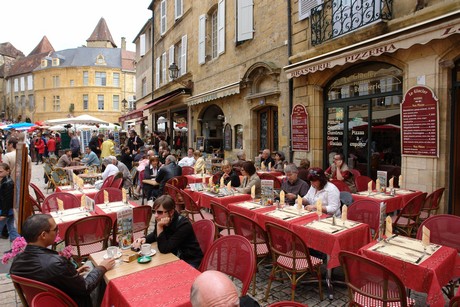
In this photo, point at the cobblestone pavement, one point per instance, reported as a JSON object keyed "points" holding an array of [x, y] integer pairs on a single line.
{"points": [[306, 293]]}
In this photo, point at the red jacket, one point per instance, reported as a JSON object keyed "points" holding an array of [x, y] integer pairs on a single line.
{"points": [[51, 145], [40, 146]]}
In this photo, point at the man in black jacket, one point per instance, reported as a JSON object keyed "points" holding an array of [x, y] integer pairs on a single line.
{"points": [[166, 172], [39, 263]]}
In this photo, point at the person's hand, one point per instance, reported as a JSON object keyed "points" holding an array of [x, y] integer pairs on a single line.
{"points": [[2, 218], [81, 270], [138, 242], [164, 221], [290, 196], [310, 208], [108, 263]]}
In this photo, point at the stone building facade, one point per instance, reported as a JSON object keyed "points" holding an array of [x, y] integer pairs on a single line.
{"points": [[356, 76]]}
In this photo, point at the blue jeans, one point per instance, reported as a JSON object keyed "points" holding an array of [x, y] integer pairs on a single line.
{"points": [[12, 232]]}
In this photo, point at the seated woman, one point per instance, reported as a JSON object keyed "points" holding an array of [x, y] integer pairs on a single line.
{"points": [[250, 179], [279, 161], [199, 164], [173, 232], [150, 172], [321, 188], [339, 170], [229, 174]]}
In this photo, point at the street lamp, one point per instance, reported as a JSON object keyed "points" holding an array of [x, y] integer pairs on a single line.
{"points": [[174, 73]]}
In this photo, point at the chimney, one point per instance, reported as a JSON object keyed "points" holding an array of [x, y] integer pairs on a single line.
{"points": [[123, 43]]}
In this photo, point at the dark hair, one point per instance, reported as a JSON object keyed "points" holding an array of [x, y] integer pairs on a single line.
{"points": [[316, 173], [34, 226], [340, 155], [13, 141], [167, 202], [154, 158], [5, 166], [305, 163], [281, 154], [249, 167]]}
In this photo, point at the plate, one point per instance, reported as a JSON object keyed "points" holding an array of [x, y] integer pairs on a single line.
{"points": [[152, 252], [144, 259], [116, 257]]}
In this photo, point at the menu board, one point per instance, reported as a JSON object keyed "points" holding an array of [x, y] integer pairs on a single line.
{"points": [[116, 138], [125, 228], [228, 137], [419, 116], [299, 128]]}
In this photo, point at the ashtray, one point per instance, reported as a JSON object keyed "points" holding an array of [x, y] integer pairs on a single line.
{"points": [[144, 259]]}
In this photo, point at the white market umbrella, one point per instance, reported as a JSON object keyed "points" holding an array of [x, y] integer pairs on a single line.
{"points": [[84, 119]]}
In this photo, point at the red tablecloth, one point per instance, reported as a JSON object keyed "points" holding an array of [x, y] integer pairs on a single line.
{"points": [[88, 191], [197, 178], [274, 173], [262, 219], [64, 223], [204, 200], [165, 285], [428, 277], [393, 202]]}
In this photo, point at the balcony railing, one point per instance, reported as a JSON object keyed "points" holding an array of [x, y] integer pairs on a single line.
{"points": [[334, 18]]}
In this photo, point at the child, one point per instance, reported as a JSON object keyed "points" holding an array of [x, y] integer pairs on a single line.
{"points": [[6, 201]]}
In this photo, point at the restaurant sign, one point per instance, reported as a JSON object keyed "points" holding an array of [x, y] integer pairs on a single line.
{"points": [[299, 129], [419, 119]]}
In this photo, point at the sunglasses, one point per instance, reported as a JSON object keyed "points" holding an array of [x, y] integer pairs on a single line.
{"points": [[158, 212]]}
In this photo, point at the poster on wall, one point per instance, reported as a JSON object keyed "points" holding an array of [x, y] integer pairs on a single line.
{"points": [[228, 137], [419, 120], [299, 129]]}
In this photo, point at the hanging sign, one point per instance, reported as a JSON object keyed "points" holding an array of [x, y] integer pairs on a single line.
{"points": [[419, 119], [228, 137], [299, 129]]}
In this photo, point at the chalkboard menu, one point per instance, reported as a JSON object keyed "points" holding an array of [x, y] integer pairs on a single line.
{"points": [[419, 116], [228, 137], [299, 128]]}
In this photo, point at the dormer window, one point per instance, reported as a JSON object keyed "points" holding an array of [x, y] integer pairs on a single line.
{"points": [[55, 62], [44, 63], [100, 60]]}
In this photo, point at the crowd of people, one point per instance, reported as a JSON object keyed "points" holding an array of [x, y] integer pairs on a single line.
{"points": [[172, 231]]}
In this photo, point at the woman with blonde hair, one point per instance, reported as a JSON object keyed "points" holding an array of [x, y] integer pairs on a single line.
{"points": [[199, 164]]}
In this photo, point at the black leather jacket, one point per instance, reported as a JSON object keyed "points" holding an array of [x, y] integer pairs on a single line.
{"points": [[166, 172], [6, 196], [45, 265], [178, 238]]}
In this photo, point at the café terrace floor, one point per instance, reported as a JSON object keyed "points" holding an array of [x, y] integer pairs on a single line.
{"points": [[306, 293]]}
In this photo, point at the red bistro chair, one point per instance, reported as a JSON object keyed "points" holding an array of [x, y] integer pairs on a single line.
{"points": [[50, 203]]}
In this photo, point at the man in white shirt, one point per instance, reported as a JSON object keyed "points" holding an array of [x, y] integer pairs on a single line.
{"points": [[110, 169], [189, 160], [10, 159]]}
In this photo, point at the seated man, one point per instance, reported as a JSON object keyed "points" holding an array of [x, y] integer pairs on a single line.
{"points": [[65, 159], [189, 160], [266, 158], [90, 157], [214, 288], [166, 172], [39, 263], [110, 169], [293, 186]]}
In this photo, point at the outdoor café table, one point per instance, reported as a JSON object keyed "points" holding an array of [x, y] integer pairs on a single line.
{"points": [[88, 190], [164, 285], [76, 168], [90, 177], [418, 271], [112, 208], [125, 268], [204, 198], [394, 203], [197, 178], [64, 218]]}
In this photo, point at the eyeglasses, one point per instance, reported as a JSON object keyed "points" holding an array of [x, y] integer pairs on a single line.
{"points": [[159, 212]]}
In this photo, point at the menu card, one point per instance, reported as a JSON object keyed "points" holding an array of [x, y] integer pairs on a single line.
{"points": [[388, 227], [400, 181], [124, 196], [369, 186], [210, 181], [229, 185], [344, 213], [262, 166], [299, 203], [425, 236], [253, 191], [125, 228], [60, 204], [269, 166], [391, 182], [377, 185], [282, 196], [89, 204], [319, 207], [203, 179], [106, 197], [83, 201], [266, 194], [382, 179], [222, 181]]}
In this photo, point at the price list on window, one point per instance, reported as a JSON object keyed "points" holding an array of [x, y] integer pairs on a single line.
{"points": [[299, 128], [419, 116]]}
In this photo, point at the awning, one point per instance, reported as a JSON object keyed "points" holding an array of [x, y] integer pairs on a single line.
{"points": [[138, 113], [226, 90], [420, 33]]}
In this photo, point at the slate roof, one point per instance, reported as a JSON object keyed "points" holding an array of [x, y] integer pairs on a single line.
{"points": [[33, 60], [8, 50]]}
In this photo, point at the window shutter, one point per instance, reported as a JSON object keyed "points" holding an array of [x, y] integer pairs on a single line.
{"points": [[221, 27], [202, 39], [163, 17], [245, 20], [142, 45], [179, 8], [163, 68], [183, 58], [157, 73], [305, 7], [171, 58]]}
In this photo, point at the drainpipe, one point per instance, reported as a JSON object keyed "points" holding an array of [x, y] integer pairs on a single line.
{"points": [[291, 80]]}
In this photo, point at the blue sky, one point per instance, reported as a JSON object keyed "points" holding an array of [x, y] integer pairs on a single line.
{"points": [[68, 24]]}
